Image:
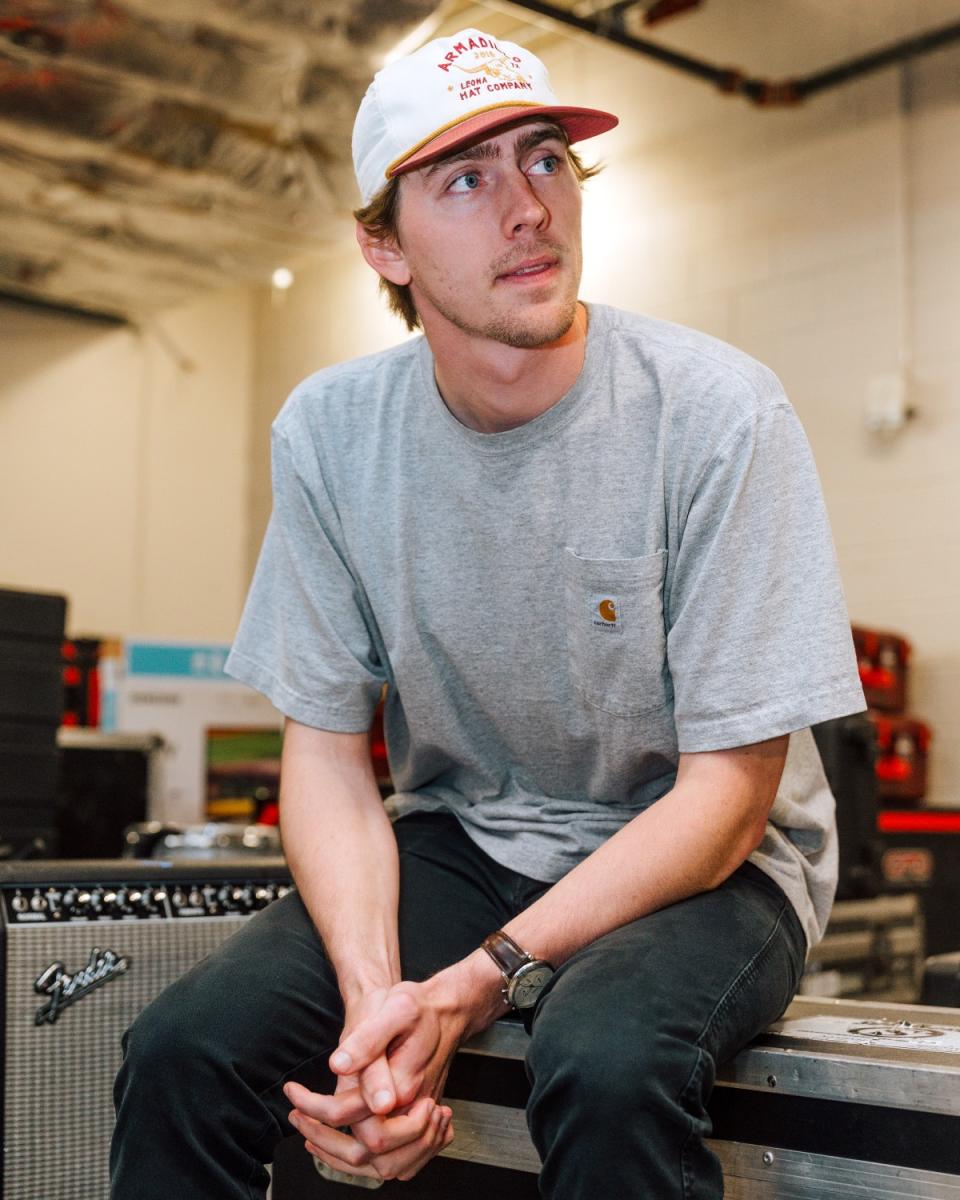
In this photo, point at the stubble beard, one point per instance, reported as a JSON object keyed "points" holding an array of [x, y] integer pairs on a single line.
{"points": [[535, 334], [519, 329]]}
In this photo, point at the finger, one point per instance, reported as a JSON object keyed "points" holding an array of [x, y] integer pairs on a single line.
{"points": [[412, 1057], [371, 1037], [342, 1108], [377, 1086], [409, 1058], [408, 1160], [367, 1171], [381, 1135], [331, 1141], [406, 1163], [330, 1137]]}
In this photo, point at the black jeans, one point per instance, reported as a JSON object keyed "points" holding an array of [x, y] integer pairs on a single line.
{"points": [[623, 1049]]}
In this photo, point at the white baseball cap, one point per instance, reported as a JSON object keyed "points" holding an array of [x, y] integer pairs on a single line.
{"points": [[452, 91]]}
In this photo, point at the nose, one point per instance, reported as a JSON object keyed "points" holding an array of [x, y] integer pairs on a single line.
{"points": [[523, 208]]}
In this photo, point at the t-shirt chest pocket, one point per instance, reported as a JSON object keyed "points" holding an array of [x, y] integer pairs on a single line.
{"points": [[615, 631]]}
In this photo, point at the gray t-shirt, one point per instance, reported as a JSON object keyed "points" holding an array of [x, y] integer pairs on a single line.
{"points": [[560, 609]]}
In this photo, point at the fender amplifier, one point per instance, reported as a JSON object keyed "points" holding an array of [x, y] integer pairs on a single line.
{"points": [[84, 946]]}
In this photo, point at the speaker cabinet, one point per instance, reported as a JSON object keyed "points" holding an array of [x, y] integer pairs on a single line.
{"points": [[31, 705], [84, 946]]}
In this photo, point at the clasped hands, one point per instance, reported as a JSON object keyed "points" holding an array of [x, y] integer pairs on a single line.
{"points": [[391, 1064]]}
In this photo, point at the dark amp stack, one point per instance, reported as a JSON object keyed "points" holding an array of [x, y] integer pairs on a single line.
{"points": [[31, 708]]}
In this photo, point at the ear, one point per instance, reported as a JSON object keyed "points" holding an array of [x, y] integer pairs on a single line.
{"points": [[384, 255]]}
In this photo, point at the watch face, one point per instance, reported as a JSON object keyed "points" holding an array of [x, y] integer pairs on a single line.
{"points": [[528, 983]]}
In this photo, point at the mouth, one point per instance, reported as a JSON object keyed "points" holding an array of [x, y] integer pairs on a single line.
{"points": [[532, 268]]}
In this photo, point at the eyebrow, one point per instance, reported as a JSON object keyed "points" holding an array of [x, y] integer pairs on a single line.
{"points": [[487, 150]]}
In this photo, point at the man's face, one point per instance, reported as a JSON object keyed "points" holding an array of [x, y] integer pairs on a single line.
{"points": [[490, 238]]}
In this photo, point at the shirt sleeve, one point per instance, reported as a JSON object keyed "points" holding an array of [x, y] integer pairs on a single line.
{"points": [[758, 637], [306, 637]]}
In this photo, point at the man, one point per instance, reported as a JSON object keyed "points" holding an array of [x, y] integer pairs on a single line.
{"points": [[587, 554]]}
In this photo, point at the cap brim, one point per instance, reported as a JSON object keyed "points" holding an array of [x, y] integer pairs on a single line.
{"points": [[578, 124]]}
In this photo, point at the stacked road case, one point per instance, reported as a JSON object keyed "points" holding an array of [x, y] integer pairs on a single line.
{"points": [[839, 1100], [31, 705], [872, 950]]}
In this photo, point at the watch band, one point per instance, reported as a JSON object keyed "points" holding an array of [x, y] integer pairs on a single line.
{"points": [[505, 952]]}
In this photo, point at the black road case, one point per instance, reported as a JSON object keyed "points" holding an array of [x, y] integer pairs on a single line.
{"points": [[840, 1099]]}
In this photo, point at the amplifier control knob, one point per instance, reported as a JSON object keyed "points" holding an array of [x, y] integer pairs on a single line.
{"points": [[134, 898], [159, 897], [178, 899], [283, 890], [109, 900], [240, 897], [38, 903], [263, 895], [83, 901], [196, 898], [19, 903]]}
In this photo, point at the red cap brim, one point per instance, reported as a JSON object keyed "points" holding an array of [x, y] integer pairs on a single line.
{"points": [[578, 123]]}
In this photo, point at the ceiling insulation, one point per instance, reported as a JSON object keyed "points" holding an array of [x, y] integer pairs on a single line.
{"points": [[152, 149], [148, 151]]}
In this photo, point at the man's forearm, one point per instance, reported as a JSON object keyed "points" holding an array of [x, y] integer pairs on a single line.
{"points": [[341, 849], [687, 842]]}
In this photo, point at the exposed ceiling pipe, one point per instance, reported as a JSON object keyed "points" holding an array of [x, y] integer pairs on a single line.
{"points": [[923, 43], [661, 10], [765, 93]]}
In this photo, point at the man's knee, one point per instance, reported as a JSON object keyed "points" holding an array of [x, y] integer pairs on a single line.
{"points": [[594, 1068], [167, 1040]]}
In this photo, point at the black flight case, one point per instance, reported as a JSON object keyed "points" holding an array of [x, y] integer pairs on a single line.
{"points": [[838, 1100]]}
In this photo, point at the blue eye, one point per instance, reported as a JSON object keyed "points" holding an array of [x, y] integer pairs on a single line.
{"points": [[549, 165], [469, 181]]}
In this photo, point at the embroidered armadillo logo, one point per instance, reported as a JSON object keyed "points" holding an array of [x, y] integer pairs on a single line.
{"points": [[497, 68]]}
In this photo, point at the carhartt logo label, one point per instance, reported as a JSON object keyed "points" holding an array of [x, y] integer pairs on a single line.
{"points": [[605, 612], [483, 69]]}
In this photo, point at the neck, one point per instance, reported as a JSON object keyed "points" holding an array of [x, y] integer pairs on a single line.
{"points": [[491, 387]]}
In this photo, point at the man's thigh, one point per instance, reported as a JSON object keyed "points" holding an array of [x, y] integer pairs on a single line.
{"points": [[698, 978]]}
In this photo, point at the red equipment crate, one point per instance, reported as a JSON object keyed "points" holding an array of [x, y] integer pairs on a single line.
{"points": [[882, 658], [81, 682], [901, 763]]}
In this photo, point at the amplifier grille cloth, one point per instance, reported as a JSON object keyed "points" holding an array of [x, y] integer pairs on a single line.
{"points": [[58, 1110]]}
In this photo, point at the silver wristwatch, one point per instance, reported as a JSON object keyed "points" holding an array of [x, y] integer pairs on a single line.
{"points": [[524, 977]]}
